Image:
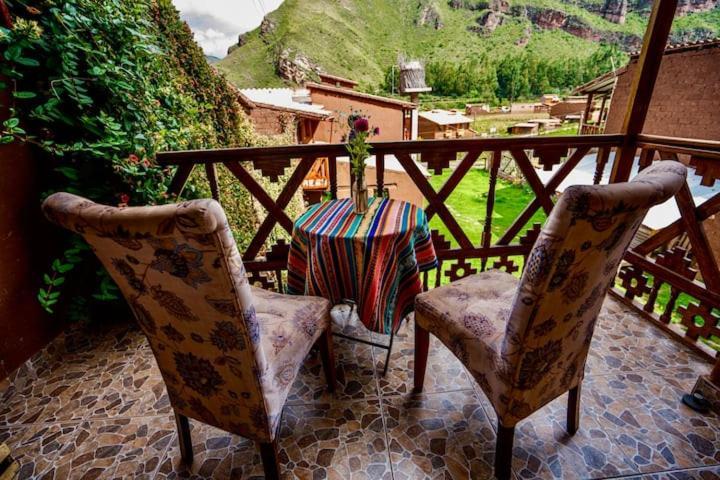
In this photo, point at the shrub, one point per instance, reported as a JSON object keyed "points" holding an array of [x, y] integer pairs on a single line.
{"points": [[100, 88]]}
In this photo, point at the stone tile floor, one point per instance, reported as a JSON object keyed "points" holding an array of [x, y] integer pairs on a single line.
{"points": [[93, 405]]}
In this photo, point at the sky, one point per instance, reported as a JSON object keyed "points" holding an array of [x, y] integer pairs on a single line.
{"points": [[217, 23]]}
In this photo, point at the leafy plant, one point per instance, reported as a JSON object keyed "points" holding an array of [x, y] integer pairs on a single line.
{"points": [[99, 88], [357, 146]]}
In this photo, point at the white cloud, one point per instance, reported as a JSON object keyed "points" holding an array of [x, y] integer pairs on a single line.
{"points": [[217, 23]]}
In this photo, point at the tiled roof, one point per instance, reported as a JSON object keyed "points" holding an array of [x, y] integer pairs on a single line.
{"points": [[354, 93], [283, 98], [444, 117], [683, 47]]}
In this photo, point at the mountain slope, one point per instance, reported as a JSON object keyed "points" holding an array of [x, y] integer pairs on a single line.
{"points": [[361, 39]]}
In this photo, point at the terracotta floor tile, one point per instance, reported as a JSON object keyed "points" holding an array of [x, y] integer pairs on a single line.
{"points": [[119, 448], [354, 371], [336, 440], [93, 405], [643, 413], [444, 371], [439, 435]]}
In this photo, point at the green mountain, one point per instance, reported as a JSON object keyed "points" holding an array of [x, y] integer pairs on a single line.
{"points": [[361, 39]]}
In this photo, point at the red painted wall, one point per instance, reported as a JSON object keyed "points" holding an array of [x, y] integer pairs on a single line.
{"points": [[386, 116], [25, 242]]}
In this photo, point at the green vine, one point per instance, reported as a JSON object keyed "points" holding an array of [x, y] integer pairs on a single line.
{"points": [[98, 88]]}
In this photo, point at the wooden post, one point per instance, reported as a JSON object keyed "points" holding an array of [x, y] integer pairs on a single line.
{"points": [[648, 67], [601, 117], [5, 17], [587, 113]]}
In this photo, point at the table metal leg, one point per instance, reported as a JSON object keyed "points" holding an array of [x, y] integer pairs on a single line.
{"points": [[387, 347]]}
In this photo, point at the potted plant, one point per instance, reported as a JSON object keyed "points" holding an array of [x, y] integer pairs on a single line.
{"points": [[359, 150]]}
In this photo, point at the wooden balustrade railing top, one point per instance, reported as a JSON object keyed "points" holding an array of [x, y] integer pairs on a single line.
{"points": [[671, 277]]}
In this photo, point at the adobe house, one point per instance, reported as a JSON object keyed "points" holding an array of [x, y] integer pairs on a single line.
{"points": [[394, 117], [524, 128], [437, 124], [336, 81], [686, 100], [685, 103], [276, 111], [477, 109], [574, 105]]}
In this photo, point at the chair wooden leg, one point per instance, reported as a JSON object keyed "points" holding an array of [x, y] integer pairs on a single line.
{"points": [[422, 345], [184, 439], [271, 465], [573, 410], [503, 451], [325, 342]]}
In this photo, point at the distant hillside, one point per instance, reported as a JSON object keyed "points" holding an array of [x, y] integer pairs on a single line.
{"points": [[362, 39]]}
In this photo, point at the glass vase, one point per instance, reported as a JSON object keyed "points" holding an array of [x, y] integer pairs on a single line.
{"points": [[359, 194]]}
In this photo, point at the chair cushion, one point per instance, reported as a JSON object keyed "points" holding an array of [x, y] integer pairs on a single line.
{"points": [[289, 326], [470, 316]]}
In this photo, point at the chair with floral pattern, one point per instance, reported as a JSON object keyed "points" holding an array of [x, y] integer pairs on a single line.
{"points": [[228, 352], [525, 341]]}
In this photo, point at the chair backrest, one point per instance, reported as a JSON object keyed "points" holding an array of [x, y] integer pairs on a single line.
{"points": [[567, 275], [180, 271]]}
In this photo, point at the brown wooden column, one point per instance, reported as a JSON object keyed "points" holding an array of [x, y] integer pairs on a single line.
{"points": [[5, 17], [588, 111], [648, 66], [601, 117]]}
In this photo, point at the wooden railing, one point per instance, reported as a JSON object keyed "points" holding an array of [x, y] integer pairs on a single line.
{"points": [[591, 129], [650, 269], [678, 259]]}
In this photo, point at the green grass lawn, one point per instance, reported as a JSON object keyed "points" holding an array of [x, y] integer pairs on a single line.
{"points": [[501, 121], [468, 205]]}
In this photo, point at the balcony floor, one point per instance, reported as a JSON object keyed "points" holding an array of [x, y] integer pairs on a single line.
{"points": [[93, 405]]}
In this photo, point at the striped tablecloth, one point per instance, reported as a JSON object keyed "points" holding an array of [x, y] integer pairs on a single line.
{"points": [[374, 259]]}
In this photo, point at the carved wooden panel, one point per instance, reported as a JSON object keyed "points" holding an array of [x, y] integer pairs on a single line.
{"points": [[439, 241], [700, 320], [279, 251], [677, 260], [262, 280], [437, 161], [505, 263], [460, 269], [272, 167], [528, 239], [634, 281], [707, 169], [550, 156]]}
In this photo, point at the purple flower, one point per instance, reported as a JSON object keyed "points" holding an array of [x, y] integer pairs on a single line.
{"points": [[376, 131], [361, 125]]}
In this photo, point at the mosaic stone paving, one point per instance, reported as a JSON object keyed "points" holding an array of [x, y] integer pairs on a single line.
{"points": [[93, 405]]}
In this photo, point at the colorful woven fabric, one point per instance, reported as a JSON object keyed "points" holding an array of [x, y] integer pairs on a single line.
{"points": [[374, 259]]}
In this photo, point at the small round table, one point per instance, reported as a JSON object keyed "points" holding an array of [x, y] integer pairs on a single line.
{"points": [[374, 259]]}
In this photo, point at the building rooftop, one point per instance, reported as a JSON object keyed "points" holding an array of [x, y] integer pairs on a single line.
{"points": [[284, 99], [606, 82], [684, 47], [337, 81], [360, 95], [445, 117]]}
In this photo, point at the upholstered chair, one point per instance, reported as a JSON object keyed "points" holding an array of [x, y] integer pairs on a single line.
{"points": [[228, 352], [525, 341]]}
